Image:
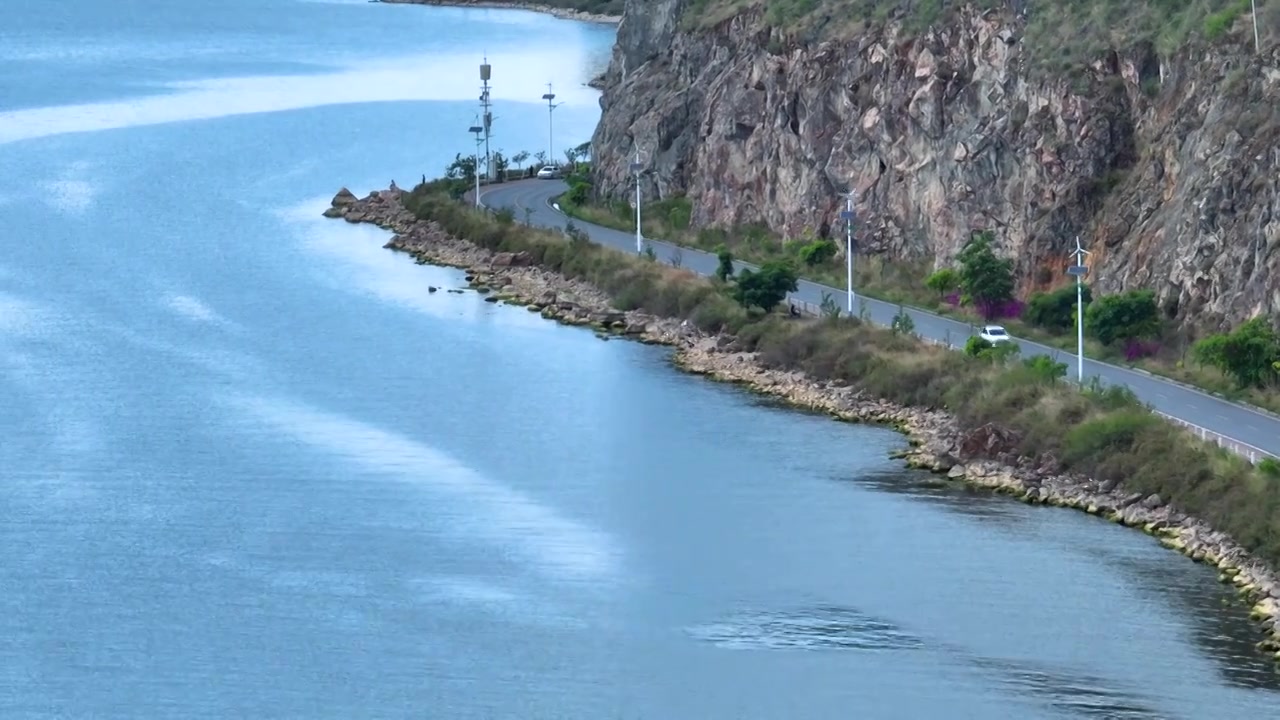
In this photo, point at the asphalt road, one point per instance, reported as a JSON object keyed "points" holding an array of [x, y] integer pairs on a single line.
{"points": [[1220, 416]]}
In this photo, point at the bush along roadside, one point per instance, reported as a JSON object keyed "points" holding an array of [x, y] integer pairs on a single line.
{"points": [[982, 416]]}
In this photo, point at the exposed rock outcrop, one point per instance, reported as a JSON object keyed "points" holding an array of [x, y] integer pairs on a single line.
{"points": [[982, 456], [1168, 167]]}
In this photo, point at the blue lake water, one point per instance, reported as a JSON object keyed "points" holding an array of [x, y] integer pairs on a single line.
{"points": [[251, 468]]}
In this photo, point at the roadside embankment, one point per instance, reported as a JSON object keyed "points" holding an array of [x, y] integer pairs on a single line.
{"points": [[1013, 429]]}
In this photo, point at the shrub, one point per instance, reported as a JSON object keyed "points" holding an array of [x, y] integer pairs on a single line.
{"points": [[1045, 368], [987, 280], [902, 322], [817, 252], [1056, 310], [724, 270], [766, 288], [680, 214], [981, 349], [579, 193], [1250, 354], [1126, 316], [1270, 467], [828, 307]]}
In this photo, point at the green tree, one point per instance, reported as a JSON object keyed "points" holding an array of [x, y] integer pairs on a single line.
{"points": [[463, 167], [1129, 315], [987, 280], [766, 288], [817, 252], [1250, 354], [724, 270], [1056, 310], [943, 281]]}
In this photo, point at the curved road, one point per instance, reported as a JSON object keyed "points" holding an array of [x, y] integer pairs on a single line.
{"points": [[1237, 422]]}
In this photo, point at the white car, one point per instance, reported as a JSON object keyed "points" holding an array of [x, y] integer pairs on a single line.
{"points": [[994, 334], [549, 172]]}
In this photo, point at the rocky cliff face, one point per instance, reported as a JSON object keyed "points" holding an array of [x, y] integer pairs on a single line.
{"points": [[1168, 168]]}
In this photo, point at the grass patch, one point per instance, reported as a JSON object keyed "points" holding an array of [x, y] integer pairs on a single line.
{"points": [[1102, 433]]}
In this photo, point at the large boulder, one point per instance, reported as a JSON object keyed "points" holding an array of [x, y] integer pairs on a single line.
{"points": [[344, 198], [988, 441]]}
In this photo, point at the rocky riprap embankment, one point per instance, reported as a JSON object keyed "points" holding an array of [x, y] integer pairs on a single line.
{"points": [[983, 456]]}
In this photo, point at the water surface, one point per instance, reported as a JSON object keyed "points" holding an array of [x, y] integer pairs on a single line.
{"points": [[253, 468]]}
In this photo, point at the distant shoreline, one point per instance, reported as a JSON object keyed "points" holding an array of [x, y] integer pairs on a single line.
{"points": [[562, 13]]}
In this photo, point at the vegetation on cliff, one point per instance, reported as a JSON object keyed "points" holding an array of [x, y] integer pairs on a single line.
{"points": [[1056, 32], [1103, 433]]}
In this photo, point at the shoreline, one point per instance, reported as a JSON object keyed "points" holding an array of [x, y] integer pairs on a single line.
{"points": [[560, 13], [975, 456]]}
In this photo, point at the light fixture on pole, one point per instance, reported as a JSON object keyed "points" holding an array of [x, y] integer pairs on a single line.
{"points": [[478, 130], [551, 108], [848, 215], [636, 167], [1079, 271], [486, 72]]}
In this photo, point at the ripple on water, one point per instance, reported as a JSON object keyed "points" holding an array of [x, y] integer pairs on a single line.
{"points": [[817, 628], [1075, 694]]}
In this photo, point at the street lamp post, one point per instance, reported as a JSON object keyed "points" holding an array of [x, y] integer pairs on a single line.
{"points": [[1253, 9], [1078, 270], [551, 107], [477, 129], [635, 168], [486, 72], [848, 215]]}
